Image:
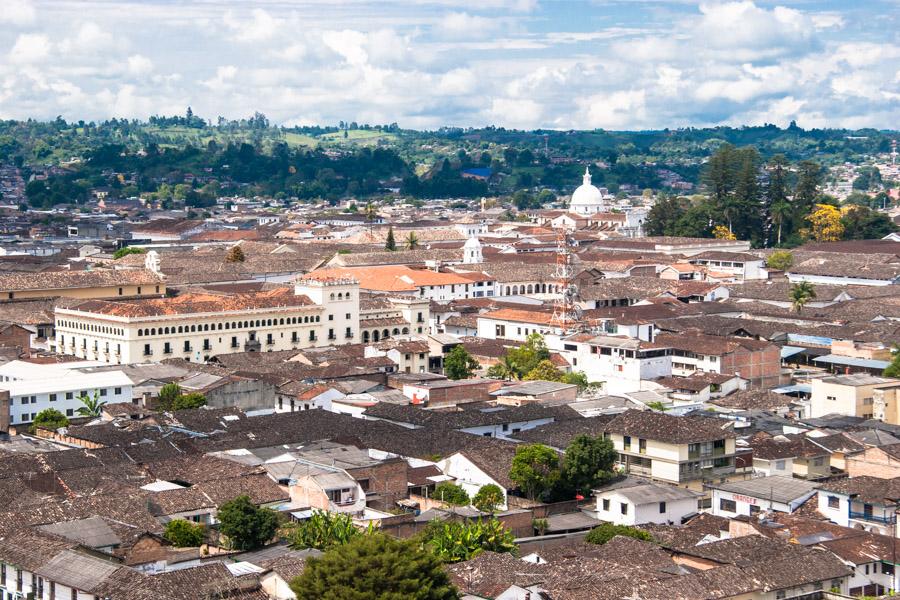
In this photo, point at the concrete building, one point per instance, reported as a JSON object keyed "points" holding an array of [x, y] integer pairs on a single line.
{"points": [[638, 503], [36, 387], [854, 395], [621, 363], [747, 498]]}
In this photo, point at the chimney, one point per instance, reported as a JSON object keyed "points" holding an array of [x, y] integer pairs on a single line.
{"points": [[4, 411]]}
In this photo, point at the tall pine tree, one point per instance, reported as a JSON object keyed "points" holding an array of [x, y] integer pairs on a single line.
{"points": [[390, 245]]}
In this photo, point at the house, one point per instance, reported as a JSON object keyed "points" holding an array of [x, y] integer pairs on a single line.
{"points": [[741, 266], [701, 387], [673, 449], [875, 461], [852, 395], [757, 361], [789, 454], [636, 502], [863, 502], [35, 387], [423, 283], [449, 393], [621, 363], [752, 496], [97, 283]]}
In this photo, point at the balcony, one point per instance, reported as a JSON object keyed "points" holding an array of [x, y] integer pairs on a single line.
{"points": [[270, 342], [873, 518], [188, 349]]}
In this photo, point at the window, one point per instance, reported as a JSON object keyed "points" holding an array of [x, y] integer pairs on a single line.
{"points": [[70, 395], [347, 316], [662, 508], [234, 342], [623, 507], [117, 391], [626, 441], [606, 504], [642, 446], [167, 348], [147, 351], [331, 317], [103, 391], [779, 465], [886, 568], [818, 461], [726, 505]]}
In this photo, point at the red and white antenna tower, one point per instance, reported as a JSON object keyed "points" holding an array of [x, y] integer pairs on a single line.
{"points": [[566, 312]]}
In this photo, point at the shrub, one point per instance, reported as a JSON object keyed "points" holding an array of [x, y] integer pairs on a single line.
{"points": [[451, 493], [184, 534], [603, 533]]}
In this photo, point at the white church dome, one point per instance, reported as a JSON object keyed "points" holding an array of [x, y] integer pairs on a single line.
{"points": [[472, 242], [586, 196]]}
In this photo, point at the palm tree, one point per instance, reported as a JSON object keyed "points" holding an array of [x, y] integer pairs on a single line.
{"points": [[780, 212], [505, 369], [800, 294], [93, 405], [412, 241], [371, 212]]}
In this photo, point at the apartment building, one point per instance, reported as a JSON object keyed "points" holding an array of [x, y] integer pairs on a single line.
{"points": [[430, 284], [673, 449], [868, 503], [36, 387], [621, 363], [855, 395], [197, 325]]}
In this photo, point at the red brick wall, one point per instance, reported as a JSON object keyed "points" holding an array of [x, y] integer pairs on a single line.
{"points": [[449, 396], [387, 482], [16, 337], [762, 368]]}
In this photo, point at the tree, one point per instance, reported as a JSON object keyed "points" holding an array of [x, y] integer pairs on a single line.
{"points": [[184, 534], [390, 244], [235, 255], [412, 241], [374, 567], [576, 378], [126, 251], [456, 541], [893, 369], [606, 531], [49, 418], [720, 232], [518, 362], [535, 469], [188, 401], [324, 530], [168, 394], [452, 494], [663, 216], [800, 294], [863, 223], [780, 260], [92, 406], [246, 525], [809, 179], [488, 498], [544, 371], [777, 204], [825, 223], [459, 364], [587, 463]]}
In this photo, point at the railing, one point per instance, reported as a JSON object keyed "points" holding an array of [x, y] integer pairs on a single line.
{"points": [[889, 519]]}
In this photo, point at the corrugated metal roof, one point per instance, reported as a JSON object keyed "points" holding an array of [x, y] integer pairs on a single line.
{"points": [[852, 361]]}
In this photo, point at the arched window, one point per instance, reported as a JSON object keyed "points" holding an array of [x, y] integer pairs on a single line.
{"points": [[153, 331], [365, 337], [332, 295], [530, 290], [375, 335], [396, 331], [140, 333], [405, 330], [508, 290], [281, 321], [385, 334]]}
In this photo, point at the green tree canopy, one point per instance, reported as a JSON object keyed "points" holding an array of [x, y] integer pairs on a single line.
{"points": [[374, 567], [390, 243], [459, 364], [455, 541], [488, 498], [50, 418], [587, 463], [91, 406], [187, 401], [606, 531], [184, 534], [246, 525], [535, 469], [518, 362], [800, 294], [451, 493], [324, 530], [780, 260], [126, 251], [893, 369]]}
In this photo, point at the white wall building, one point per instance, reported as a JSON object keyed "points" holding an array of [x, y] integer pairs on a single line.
{"points": [[749, 497], [621, 363], [645, 503], [196, 326], [33, 388]]}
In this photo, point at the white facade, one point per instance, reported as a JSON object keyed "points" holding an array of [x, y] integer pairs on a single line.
{"points": [[106, 335], [620, 363], [33, 388], [843, 510], [587, 199], [468, 475], [643, 504]]}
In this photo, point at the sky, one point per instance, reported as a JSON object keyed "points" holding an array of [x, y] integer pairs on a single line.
{"points": [[526, 64]]}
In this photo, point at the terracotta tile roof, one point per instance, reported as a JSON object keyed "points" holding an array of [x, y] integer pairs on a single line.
{"points": [[392, 278], [669, 428], [190, 303], [61, 280], [520, 316]]}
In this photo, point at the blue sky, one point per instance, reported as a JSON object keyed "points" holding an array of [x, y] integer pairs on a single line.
{"points": [[580, 64]]}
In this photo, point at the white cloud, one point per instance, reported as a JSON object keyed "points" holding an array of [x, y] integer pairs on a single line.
{"points": [[18, 12], [90, 38], [139, 65], [462, 25], [30, 48], [224, 75], [617, 110], [260, 25]]}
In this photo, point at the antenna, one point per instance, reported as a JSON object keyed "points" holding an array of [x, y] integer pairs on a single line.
{"points": [[566, 313]]}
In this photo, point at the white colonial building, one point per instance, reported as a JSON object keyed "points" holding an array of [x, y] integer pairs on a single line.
{"points": [[198, 325], [587, 199]]}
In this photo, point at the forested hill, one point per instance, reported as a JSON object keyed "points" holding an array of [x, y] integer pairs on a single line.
{"points": [[255, 157]]}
